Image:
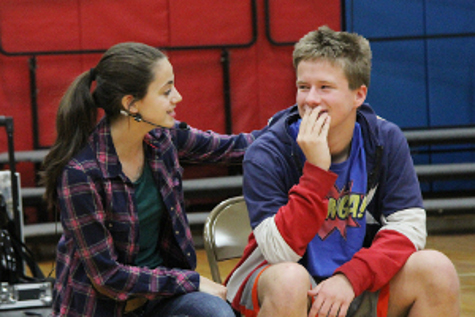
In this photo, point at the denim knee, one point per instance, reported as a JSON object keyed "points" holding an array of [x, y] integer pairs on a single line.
{"points": [[195, 304]]}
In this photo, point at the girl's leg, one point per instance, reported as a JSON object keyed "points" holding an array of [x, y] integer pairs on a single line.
{"points": [[195, 304]]}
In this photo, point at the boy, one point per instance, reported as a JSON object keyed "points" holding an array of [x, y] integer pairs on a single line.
{"points": [[335, 204]]}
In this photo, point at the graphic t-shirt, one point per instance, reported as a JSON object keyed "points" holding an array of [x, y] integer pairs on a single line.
{"points": [[342, 234]]}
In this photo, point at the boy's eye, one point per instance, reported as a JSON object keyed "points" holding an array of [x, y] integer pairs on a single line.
{"points": [[168, 92]]}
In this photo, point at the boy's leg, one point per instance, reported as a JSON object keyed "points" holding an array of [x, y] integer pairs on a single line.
{"points": [[281, 290], [278, 290], [427, 285]]}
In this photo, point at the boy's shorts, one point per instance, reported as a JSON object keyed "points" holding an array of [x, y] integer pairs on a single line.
{"points": [[368, 304]]}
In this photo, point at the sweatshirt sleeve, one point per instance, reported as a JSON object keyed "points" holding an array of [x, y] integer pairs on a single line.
{"points": [[196, 146], [372, 268], [283, 230]]}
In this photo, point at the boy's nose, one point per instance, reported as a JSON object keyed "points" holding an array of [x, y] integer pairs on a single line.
{"points": [[313, 98]]}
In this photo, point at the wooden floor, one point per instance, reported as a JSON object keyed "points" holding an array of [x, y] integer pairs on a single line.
{"points": [[459, 248]]}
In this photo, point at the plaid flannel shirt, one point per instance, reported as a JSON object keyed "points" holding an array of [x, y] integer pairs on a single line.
{"points": [[95, 272]]}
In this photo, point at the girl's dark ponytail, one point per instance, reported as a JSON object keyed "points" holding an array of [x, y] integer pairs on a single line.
{"points": [[75, 120]]}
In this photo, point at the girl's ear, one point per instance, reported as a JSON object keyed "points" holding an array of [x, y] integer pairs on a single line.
{"points": [[128, 102]]}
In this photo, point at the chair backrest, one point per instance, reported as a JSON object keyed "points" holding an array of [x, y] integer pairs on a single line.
{"points": [[225, 233]]}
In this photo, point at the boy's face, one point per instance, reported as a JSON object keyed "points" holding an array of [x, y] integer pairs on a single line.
{"points": [[320, 83]]}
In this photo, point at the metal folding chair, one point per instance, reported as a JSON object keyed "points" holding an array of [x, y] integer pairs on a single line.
{"points": [[226, 233]]}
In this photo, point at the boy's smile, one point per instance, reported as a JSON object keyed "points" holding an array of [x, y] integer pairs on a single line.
{"points": [[321, 83]]}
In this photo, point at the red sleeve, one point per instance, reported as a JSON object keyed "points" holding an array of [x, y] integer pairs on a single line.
{"points": [[300, 219], [372, 268]]}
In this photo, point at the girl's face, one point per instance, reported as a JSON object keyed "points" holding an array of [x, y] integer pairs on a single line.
{"points": [[158, 105]]}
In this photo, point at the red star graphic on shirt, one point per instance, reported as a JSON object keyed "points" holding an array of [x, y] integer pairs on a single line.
{"points": [[335, 222], [331, 225]]}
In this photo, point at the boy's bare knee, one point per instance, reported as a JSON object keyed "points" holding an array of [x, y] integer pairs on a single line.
{"points": [[285, 274], [432, 280], [427, 285], [284, 283], [433, 265], [439, 272]]}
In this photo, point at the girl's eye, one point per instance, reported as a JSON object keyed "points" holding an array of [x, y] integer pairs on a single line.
{"points": [[168, 92]]}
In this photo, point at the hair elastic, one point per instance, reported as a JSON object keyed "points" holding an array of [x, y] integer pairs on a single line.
{"points": [[92, 74]]}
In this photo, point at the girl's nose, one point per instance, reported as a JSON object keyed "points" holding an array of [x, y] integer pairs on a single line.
{"points": [[176, 96]]}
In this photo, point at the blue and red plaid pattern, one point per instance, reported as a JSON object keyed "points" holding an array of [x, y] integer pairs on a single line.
{"points": [[94, 271]]}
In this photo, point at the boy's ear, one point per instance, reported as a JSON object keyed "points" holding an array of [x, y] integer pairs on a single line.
{"points": [[360, 95]]}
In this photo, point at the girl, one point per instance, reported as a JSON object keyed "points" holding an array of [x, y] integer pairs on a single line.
{"points": [[126, 249]]}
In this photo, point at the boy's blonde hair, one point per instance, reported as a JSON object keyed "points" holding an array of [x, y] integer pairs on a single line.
{"points": [[350, 51]]}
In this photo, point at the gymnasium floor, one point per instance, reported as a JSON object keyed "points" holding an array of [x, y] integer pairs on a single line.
{"points": [[460, 248]]}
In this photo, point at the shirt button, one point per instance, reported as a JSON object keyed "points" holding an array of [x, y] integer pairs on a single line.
{"points": [[172, 208], [177, 232], [188, 254]]}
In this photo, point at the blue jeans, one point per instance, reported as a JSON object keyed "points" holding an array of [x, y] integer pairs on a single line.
{"points": [[195, 304]]}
